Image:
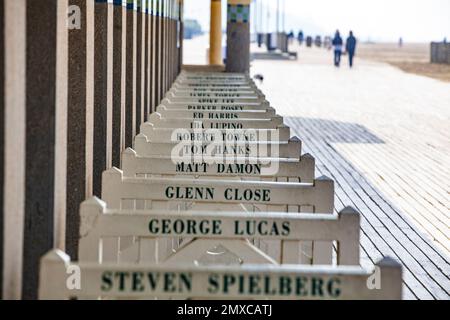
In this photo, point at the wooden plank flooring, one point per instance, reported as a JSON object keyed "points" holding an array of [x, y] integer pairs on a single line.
{"points": [[383, 136], [385, 228]]}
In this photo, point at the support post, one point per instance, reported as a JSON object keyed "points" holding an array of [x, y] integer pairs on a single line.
{"points": [[174, 41], [13, 99], [162, 50], [45, 133], [2, 136], [139, 65], [168, 56], [118, 75], [102, 91], [180, 33], [80, 115], [153, 56], [238, 36], [146, 91], [215, 33], [151, 47], [158, 52], [130, 94]]}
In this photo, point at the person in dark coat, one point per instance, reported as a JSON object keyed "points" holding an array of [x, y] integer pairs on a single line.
{"points": [[337, 45], [290, 36], [350, 47], [300, 37]]}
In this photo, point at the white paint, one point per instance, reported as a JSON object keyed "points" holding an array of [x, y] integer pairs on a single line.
{"points": [[349, 282], [14, 180]]}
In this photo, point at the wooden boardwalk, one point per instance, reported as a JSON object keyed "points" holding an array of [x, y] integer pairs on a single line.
{"points": [[384, 137]]}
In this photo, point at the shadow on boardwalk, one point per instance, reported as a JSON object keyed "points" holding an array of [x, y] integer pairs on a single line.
{"points": [[385, 230], [332, 131]]}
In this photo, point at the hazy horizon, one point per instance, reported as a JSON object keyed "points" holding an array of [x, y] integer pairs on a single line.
{"points": [[413, 20]]}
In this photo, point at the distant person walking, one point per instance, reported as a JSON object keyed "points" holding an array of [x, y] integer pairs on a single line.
{"points": [[300, 37], [337, 45], [350, 47], [290, 36]]}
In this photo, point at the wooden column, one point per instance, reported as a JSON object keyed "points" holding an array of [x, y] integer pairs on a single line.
{"points": [[141, 62], [215, 33], [158, 53], [163, 47], [118, 91], [130, 91], [102, 92], [238, 36], [155, 49], [166, 47], [176, 39], [152, 55], [80, 116], [61, 130], [14, 109], [139, 55], [146, 60], [151, 45], [170, 38], [161, 51], [167, 51], [180, 34], [172, 41], [2, 136], [45, 134]]}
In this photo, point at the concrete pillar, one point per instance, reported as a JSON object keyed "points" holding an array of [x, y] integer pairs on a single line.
{"points": [[215, 33], [130, 91], [119, 69], [45, 134], [80, 116], [238, 36], [102, 92]]}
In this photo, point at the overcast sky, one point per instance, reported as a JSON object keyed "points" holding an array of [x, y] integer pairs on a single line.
{"points": [[383, 20]]}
